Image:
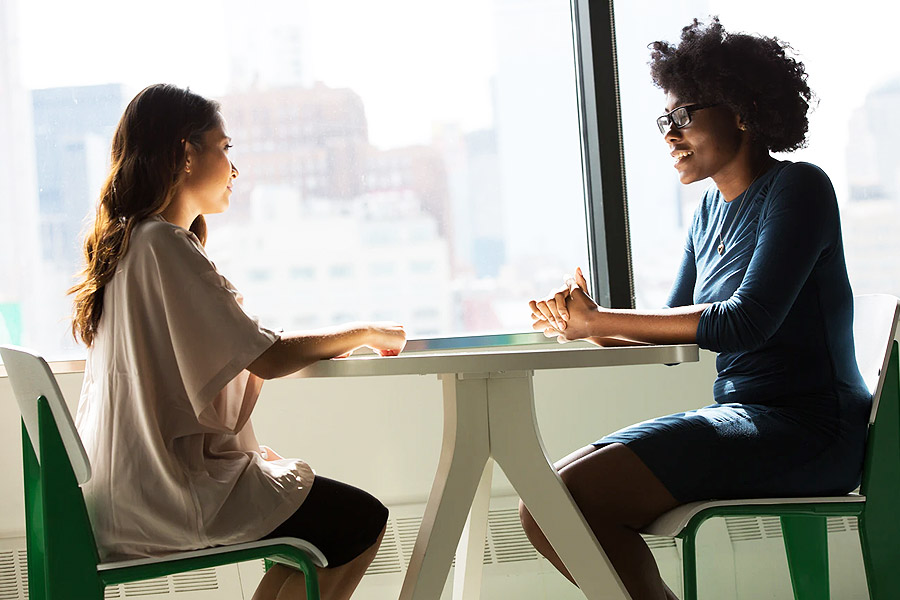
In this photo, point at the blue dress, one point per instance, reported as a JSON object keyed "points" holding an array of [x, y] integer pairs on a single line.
{"points": [[791, 410]]}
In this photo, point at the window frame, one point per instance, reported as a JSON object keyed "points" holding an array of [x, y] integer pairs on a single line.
{"points": [[603, 153]]}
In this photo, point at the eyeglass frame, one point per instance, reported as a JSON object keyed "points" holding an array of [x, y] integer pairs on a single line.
{"points": [[665, 125]]}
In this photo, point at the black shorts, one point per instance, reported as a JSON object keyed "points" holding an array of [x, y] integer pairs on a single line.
{"points": [[341, 520]]}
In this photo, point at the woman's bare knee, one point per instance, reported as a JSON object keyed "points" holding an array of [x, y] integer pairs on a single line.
{"points": [[529, 525], [614, 486], [528, 522]]}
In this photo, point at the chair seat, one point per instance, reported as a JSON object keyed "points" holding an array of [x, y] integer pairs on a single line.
{"points": [[673, 522], [314, 553]]}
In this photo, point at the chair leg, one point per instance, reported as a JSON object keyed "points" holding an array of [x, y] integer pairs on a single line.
{"points": [[689, 564], [806, 545], [880, 549]]}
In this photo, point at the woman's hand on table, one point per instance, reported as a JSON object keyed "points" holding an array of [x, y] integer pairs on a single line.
{"points": [[386, 338], [567, 313]]}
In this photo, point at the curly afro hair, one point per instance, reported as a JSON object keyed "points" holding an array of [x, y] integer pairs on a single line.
{"points": [[752, 75]]}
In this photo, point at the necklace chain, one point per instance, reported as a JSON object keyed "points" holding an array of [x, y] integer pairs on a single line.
{"points": [[721, 247]]}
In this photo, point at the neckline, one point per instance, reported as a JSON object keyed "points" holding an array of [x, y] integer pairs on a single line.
{"points": [[760, 179]]}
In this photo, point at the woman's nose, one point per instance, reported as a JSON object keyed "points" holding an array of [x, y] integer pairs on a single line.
{"points": [[672, 133], [234, 171]]}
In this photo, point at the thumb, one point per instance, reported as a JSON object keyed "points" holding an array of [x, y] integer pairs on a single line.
{"points": [[580, 280]]}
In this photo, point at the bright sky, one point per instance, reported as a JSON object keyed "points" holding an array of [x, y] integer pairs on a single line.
{"points": [[412, 62]]}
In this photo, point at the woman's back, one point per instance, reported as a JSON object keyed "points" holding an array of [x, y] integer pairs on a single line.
{"points": [[165, 407]]}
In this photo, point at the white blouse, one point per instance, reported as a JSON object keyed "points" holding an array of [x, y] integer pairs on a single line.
{"points": [[165, 408]]}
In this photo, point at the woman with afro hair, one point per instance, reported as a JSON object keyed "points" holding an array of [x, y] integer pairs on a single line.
{"points": [[762, 282]]}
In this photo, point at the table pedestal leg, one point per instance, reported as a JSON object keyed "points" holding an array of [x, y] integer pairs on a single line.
{"points": [[464, 453], [517, 447], [470, 552]]}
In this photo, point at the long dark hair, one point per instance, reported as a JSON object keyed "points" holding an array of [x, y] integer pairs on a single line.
{"points": [[146, 166]]}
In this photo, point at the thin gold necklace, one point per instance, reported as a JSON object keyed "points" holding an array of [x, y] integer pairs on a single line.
{"points": [[721, 247]]}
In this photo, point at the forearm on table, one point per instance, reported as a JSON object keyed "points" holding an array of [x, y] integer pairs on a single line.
{"points": [[299, 349], [612, 341], [666, 326]]}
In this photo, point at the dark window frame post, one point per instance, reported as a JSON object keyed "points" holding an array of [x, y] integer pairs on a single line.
{"points": [[602, 153]]}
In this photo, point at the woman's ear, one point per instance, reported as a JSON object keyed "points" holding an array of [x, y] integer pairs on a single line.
{"points": [[189, 152]]}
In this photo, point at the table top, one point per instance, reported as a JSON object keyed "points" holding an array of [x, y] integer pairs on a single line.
{"points": [[492, 360]]}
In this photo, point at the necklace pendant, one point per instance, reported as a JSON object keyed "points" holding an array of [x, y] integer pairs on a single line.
{"points": [[721, 248]]}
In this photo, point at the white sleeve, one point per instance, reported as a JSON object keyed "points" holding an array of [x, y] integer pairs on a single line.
{"points": [[212, 339]]}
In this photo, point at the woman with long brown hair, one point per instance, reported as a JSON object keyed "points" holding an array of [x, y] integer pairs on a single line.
{"points": [[175, 367]]}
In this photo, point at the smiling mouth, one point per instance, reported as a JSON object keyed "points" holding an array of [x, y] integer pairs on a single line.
{"points": [[681, 156]]}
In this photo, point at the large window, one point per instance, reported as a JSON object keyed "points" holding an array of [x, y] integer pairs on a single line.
{"points": [[853, 130], [405, 160]]}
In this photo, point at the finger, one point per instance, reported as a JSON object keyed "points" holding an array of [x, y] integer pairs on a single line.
{"points": [[560, 305], [388, 352], [546, 328], [553, 306], [580, 280], [544, 310]]}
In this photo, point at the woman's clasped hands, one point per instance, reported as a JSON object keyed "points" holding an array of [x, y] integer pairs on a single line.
{"points": [[567, 313]]}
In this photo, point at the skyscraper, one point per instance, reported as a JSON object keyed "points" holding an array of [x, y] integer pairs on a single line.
{"points": [[73, 127]]}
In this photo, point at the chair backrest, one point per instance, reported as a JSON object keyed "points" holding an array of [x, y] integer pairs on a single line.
{"points": [[61, 549], [874, 330], [31, 378]]}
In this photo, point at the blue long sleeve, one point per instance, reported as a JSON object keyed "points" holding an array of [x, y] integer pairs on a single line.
{"points": [[782, 309], [798, 224], [682, 293]]}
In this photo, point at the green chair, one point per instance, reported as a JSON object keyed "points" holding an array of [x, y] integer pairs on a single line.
{"points": [[63, 562], [803, 520]]}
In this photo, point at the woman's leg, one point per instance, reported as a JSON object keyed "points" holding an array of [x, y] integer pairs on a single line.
{"points": [[618, 495], [346, 524], [338, 583]]}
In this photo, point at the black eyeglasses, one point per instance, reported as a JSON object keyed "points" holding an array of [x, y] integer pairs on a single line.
{"points": [[680, 117]]}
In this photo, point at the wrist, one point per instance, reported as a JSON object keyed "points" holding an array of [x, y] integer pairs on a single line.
{"points": [[595, 324]]}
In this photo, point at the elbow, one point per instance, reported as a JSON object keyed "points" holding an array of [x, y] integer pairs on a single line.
{"points": [[723, 330], [262, 372], [266, 365]]}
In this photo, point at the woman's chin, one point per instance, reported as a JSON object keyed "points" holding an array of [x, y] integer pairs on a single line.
{"points": [[686, 177]]}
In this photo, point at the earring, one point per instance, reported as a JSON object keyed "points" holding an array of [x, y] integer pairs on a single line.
{"points": [[742, 127]]}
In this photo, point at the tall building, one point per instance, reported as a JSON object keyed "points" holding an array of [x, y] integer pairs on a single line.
{"points": [[312, 139], [873, 165], [73, 127], [417, 169], [486, 215], [19, 258], [871, 217]]}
